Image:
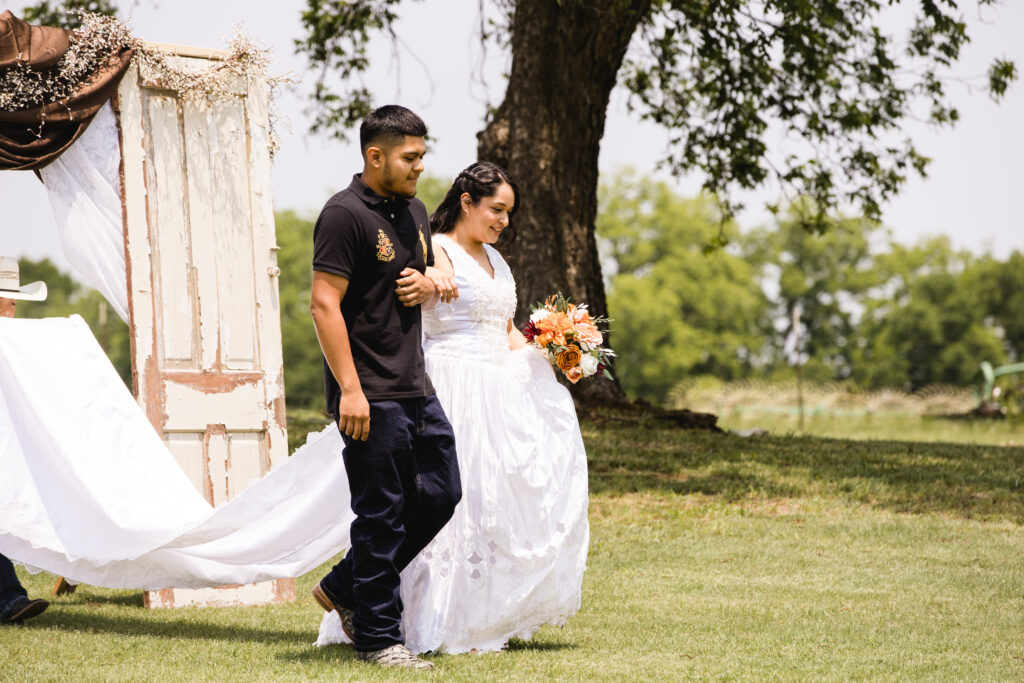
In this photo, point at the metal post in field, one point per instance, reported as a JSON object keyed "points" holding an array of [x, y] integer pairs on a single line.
{"points": [[799, 365]]}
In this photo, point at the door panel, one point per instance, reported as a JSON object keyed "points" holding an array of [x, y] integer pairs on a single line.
{"points": [[202, 268], [174, 288]]}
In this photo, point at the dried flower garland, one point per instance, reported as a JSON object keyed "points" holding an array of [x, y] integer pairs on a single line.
{"points": [[22, 87], [100, 36]]}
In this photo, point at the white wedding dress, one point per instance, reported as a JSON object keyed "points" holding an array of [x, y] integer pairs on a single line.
{"points": [[512, 558]]}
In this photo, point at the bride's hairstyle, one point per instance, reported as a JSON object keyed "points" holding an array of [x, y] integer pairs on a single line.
{"points": [[479, 180]]}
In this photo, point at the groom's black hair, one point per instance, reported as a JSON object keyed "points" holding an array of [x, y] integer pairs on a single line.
{"points": [[388, 125]]}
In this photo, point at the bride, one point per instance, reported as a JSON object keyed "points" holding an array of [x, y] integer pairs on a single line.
{"points": [[512, 557]]}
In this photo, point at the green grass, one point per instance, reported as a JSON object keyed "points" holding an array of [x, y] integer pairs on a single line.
{"points": [[712, 557]]}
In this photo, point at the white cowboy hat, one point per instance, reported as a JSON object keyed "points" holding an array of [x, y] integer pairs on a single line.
{"points": [[10, 283]]}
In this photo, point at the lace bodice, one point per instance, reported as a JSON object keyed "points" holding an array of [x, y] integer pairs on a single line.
{"points": [[475, 324]]}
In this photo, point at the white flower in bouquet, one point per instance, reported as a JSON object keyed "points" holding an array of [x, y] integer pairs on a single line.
{"points": [[539, 315], [588, 364]]}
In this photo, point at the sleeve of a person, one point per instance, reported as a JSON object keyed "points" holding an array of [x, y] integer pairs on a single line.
{"points": [[336, 242]]}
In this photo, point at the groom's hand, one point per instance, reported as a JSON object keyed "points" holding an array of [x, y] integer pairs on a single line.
{"points": [[413, 287], [354, 415]]}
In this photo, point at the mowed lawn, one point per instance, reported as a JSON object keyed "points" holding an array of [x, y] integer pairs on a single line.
{"points": [[712, 557]]}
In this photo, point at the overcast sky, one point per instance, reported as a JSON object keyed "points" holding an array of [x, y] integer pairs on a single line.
{"points": [[973, 193]]}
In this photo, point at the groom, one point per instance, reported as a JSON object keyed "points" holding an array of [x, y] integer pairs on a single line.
{"points": [[371, 246]]}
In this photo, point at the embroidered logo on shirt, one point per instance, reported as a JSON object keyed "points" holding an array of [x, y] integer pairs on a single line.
{"points": [[385, 250], [423, 243]]}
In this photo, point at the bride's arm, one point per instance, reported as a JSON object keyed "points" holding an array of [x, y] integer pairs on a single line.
{"points": [[516, 340], [442, 273]]}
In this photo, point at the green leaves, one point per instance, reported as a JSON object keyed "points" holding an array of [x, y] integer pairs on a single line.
{"points": [[303, 363], [676, 309], [871, 311], [65, 13], [817, 78], [1000, 75], [338, 33], [65, 297]]}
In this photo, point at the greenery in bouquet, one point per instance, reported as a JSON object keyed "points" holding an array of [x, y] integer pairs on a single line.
{"points": [[570, 336]]}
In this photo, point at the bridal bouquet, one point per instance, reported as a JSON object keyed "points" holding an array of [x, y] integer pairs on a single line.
{"points": [[570, 337]]}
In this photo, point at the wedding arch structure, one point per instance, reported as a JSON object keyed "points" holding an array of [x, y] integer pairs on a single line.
{"points": [[164, 204]]}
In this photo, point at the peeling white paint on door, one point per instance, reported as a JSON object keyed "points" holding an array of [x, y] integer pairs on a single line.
{"points": [[205, 315]]}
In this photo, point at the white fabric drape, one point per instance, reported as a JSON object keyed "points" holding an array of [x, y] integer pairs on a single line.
{"points": [[84, 188], [89, 491]]}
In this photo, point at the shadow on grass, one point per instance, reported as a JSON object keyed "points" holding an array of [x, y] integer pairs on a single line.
{"points": [[517, 645], [729, 485], [642, 454], [71, 619], [337, 653], [83, 596]]}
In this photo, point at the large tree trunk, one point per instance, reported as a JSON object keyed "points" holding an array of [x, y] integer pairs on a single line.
{"points": [[547, 133]]}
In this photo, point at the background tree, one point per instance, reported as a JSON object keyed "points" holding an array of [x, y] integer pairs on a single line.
{"points": [[823, 277], [65, 297], [1002, 284], [677, 310], [873, 312], [929, 322], [716, 74], [303, 364]]}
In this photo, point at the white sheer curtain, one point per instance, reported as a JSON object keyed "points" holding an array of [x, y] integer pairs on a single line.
{"points": [[85, 193], [90, 492]]}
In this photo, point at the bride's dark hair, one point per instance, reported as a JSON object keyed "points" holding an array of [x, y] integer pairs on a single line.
{"points": [[479, 180]]}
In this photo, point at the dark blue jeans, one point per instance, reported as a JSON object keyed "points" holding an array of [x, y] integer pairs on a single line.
{"points": [[405, 485], [10, 587]]}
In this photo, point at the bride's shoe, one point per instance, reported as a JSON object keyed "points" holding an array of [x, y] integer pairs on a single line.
{"points": [[344, 613]]}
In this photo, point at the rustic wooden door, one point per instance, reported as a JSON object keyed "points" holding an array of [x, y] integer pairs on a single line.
{"points": [[203, 297]]}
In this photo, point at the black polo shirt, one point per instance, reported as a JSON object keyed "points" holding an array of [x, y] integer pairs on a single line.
{"points": [[368, 240]]}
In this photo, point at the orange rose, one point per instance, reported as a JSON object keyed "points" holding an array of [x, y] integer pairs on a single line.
{"points": [[568, 359], [574, 374]]}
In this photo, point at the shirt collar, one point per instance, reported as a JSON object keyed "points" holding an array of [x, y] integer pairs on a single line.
{"points": [[371, 198]]}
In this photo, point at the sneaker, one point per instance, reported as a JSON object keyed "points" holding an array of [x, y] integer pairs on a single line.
{"points": [[397, 656], [23, 609], [346, 614]]}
